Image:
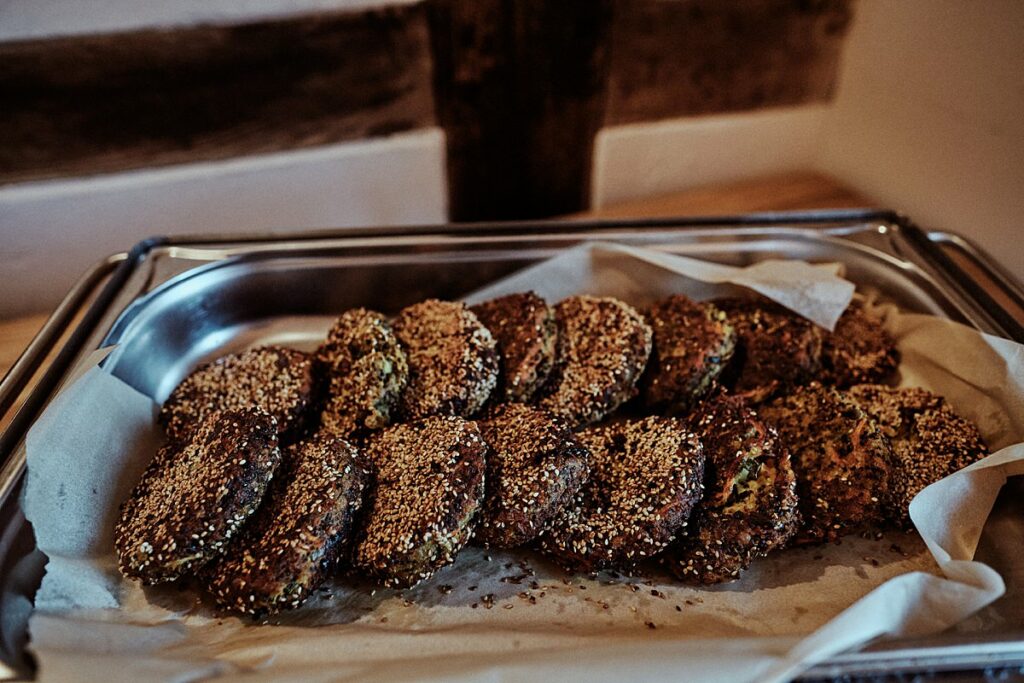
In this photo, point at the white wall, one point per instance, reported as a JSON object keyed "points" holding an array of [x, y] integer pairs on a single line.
{"points": [[929, 117], [27, 19], [51, 231], [644, 159]]}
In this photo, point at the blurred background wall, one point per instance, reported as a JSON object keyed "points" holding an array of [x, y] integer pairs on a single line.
{"points": [[123, 120]]}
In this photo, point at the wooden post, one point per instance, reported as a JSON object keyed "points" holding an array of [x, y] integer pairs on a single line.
{"points": [[520, 87]]}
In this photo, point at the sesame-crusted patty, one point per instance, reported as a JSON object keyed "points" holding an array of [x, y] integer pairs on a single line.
{"points": [[750, 503], [428, 486], [295, 539], [277, 379], [777, 350], [692, 343], [524, 327], [645, 478], [453, 361], [195, 494], [603, 347], [930, 441], [366, 370], [844, 463], [535, 466], [859, 351]]}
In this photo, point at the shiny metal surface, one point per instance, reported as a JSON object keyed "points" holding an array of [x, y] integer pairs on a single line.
{"points": [[983, 260], [187, 300], [232, 296], [1010, 294], [29, 361]]}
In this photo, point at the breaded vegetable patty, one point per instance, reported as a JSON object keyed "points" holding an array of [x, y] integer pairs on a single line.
{"points": [[859, 351], [692, 343], [844, 463], [750, 503], [603, 346], [645, 478], [295, 539], [274, 378], [428, 487], [524, 327], [196, 494], [366, 371], [777, 350], [930, 441], [534, 468], [453, 361]]}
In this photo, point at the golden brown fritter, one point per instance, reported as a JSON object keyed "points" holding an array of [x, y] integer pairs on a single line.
{"points": [[453, 361], [524, 327], [366, 371], [535, 467], [428, 485], [777, 350], [693, 341], [196, 494], [750, 504], [859, 351], [645, 479], [277, 379], [603, 346], [844, 463], [930, 441], [295, 539]]}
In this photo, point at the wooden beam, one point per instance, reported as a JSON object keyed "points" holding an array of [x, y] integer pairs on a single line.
{"points": [[94, 104]]}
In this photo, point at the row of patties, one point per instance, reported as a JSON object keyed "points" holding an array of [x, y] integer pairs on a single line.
{"points": [[396, 443]]}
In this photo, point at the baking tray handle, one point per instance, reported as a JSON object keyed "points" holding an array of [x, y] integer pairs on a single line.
{"points": [[84, 299], [75, 307], [982, 262], [31, 360], [984, 280], [51, 332]]}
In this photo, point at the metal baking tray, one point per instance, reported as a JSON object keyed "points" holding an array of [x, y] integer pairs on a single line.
{"points": [[170, 303]]}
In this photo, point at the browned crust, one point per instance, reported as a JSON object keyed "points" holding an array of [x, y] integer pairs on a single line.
{"points": [[603, 347], [295, 540], [645, 479], [534, 468], [843, 462], [195, 495], [930, 441], [428, 487], [524, 327], [750, 506], [453, 360], [366, 372], [277, 379], [731, 433], [693, 341], [777, 350], [859, 351]]}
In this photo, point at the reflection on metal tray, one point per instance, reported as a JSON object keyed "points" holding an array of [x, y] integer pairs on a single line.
{"points": [[170, 304]]}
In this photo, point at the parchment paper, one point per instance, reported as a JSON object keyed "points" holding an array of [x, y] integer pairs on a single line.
{"points": [[513, 616]]}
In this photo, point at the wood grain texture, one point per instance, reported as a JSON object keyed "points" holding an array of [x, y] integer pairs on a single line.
{"points": [[520, 88], [673, 58], [14, 337], [785, 192], [93, 104]]}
